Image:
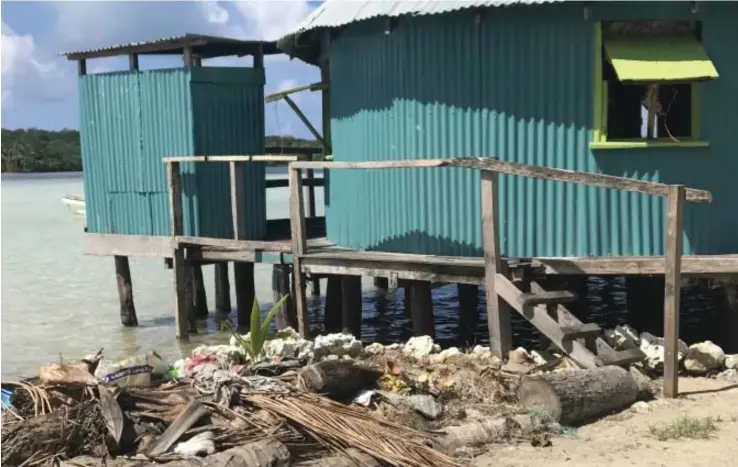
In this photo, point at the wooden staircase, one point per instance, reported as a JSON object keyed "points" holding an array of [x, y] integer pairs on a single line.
{"points": [[545, 310]]}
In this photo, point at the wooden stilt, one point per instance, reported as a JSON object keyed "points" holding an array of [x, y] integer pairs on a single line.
{"points": [[222, 288], [351, 305], [191, 308], [727, 306], [182, 298], [406, 301], [498, 312], [299, 248], [421, 309], [315, 287], [243, 275], [125, 292], [672, 289], [381, 283], [644, 299], [281, 287], [200, 299], [468, 311], [333, 303]]}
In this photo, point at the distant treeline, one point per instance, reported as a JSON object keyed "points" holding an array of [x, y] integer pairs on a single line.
{"points": [[34, 150]]}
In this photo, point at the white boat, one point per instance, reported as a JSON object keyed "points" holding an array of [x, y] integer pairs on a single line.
{"points": [[75, 204]]}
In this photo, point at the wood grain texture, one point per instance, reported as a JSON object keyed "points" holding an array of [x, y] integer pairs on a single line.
{"points": [[672, 289], [299, 248]]}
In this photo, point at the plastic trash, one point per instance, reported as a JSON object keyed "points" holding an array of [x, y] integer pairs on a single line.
{"points": [[138, 371], [6, 393]]}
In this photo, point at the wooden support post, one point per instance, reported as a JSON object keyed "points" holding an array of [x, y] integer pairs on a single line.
{"points": [[381, 283], [325, 78], [222, 288], [125, 292], [82, 67], [311, 193], [187, 57], [468, 311], [315, 286], [243, 276], [673, 280], [406, 302], [281, 287], [133, 62], [299, 248], [351, 305], [421, 309], [259, 57], [727, 306], [304, 119], [200, 299], [197, 61], [333, 302], [181, 283], [498, 312]]}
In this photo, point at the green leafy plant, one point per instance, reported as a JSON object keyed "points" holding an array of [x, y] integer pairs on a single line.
{"points": [[253, 344]]}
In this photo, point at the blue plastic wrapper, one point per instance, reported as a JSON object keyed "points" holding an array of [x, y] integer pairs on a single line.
{"points": [[6, 398]]}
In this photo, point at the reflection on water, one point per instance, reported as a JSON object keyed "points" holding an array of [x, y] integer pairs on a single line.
{"points": [[55, 300]]}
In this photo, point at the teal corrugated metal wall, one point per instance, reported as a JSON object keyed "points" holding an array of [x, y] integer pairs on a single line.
{"points": [[229, 104], [517, 86], [130, 121]]}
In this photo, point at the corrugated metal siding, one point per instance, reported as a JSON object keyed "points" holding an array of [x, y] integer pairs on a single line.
{"points": [[130, 121], [517, 87], [229, 104]]}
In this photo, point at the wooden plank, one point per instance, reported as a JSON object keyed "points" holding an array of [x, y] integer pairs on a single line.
{"points": [[142, 246], [562, 175], [399, 164], [277, 246], [304, 119], [498, 313], [182, 302], [673, 280], [308, 87], [299, 248], [581, 330], [538, 316], [311, 192], [526, 170], [396, 271], [547, 297], [621, 358], [286, 158], [238, 197], [703, 265]]}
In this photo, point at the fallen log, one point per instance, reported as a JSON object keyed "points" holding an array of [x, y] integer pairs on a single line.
{"points": [[352, 458], [336, 379], [575, 396], [268, 452], [482, 432]]}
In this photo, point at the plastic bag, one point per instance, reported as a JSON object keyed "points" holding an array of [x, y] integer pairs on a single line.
{"points": [[138, 371]]}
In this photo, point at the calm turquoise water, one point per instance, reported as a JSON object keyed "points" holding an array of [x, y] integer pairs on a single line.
{"points": [[55, 300]]}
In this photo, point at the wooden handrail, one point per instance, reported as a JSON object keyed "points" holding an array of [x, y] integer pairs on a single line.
{"points": [[516, 168], [286, 158]]}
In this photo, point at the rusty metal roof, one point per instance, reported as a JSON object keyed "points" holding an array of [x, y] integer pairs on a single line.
{"points": [[336, 13], [202, 45]]}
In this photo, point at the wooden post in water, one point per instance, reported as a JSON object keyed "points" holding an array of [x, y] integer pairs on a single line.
{"points": [[727, 306], [200, 299], [672, 289], [468, 311], [332, 316], [421, 309], [182, 298], [381, 283], [299, 248], [315, 286], [222, 288], [351, 306], [125, 292], [243, 273], [498, 312], [281, 287]]}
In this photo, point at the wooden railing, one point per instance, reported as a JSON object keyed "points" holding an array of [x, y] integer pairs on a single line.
{"points": [[498, 313]]}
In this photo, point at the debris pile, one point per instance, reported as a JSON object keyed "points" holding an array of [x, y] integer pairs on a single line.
{"points": [[331, 401]]}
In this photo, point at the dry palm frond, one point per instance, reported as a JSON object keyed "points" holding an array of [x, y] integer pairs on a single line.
{"points": [[342, 426]]}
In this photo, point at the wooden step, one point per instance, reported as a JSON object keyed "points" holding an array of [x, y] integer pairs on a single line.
{"points": [[547, 298], [621, 358], [580, 330]]}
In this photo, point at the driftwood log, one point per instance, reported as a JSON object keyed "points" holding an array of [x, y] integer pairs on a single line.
{"points": [[575, 396], [268, 452], [336, 379], [481, 432]]}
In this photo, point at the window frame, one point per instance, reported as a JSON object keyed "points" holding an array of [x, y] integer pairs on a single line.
{"points": [[600, 96]]}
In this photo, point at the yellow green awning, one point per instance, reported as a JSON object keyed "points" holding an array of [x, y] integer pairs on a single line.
{"points": [[663, 59]]}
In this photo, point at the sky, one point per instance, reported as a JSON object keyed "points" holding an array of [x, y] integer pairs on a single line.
{"points": [[39, 88]]}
